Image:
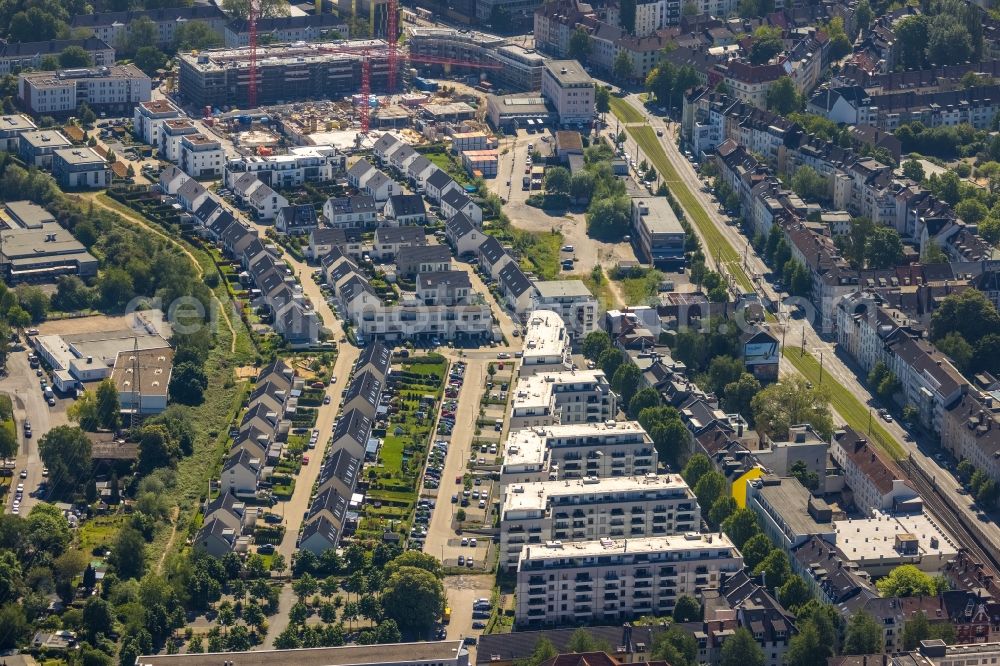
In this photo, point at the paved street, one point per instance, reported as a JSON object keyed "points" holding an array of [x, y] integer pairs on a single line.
{"points": [[462, 592], [22, 386]]}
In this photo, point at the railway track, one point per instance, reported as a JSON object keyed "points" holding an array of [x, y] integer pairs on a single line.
{"points": [[968, 536]]}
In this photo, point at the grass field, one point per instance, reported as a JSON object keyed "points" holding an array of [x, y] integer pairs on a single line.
{"points": [[716, 244], [855, 412], [642, 290], [625, 111]]}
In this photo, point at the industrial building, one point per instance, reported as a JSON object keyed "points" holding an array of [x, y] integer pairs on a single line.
{"points": [[285, 73], [573, 451], [659, 233], [33, 247], [143, 380], [114, 90], [593, 508], [612, 580]]}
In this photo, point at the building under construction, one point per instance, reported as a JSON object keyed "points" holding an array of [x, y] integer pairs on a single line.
{"points": [[285, 73]]}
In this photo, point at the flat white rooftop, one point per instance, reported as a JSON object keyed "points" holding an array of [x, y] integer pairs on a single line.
{"points": [[527, 496], [555, 550], [563, 289], [528, 446], [545, 335], [875, 538], [536, 391]]}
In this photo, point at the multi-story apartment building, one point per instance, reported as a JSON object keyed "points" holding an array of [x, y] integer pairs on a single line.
{"points": [[148, 119], [614, 580], [287, 29], [80, 168], [572, 301], [302, 164], [875, 484], [116, 90], [114, 27], [570, 90], [592, 508], [36, 147], [11, 129], [578, 450], [201, 156], [658, 231], [970, 431], [219, 77], [507, 63], [17, 56], [547, 345], [580, 396]]}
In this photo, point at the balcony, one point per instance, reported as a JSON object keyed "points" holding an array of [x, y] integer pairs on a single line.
{"points": [[536, 590]]}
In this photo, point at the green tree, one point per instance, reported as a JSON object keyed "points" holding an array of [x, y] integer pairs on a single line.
{"points": [[863, 16], [968, 313], [765, 44], [414, 558], [625, 381], [738, 394], [723, 507], [884, 248], [156, 449], [911, 36], [608, 219], [808, 478], [109, 414], [602, 99], [11, 577], [544, 650], [240, 9], [914, 170], [755, 549], [610, 361], [413, 597], [697, 466], [128, 554], [65, 450], [188, 383], [810, 185], [687, 609], [775, 568], [793, 593], [741, 649], [806, 648], [557, 180], [741, 526], [863, 635], [948, 41], [583, 641], [15, 624], [647, 397], [8, 439], [909, 581], [195, 36], [98, 618], [623, 69], [840, 43], [149, 59], [723, 370], [710, 487], [580, 45], [782, 97], [791, 401], [74, 56], [595, 344], [675, 646]]}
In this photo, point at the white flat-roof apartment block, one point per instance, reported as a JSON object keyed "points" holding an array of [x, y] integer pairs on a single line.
{"points": [[148, 118], [579, 396], [11, 128], [115, 89], [577, 450], [302, 164], [658, 231], [570, 90], [17, 56], [79, 168], [611, 580], [201, 156], [546, 344], [572, 301], [592, 508]]}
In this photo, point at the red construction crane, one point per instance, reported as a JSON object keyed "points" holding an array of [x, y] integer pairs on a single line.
{"points": [[252, 83], [393, 38], [366, 90]]}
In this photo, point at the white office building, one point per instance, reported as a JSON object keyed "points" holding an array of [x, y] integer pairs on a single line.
{"points": [[612, 580], [570, 90], [592, 508], [611, 449]]}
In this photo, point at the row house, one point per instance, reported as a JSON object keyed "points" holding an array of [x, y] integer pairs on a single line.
{"points": [[227, 523], [302, 164]]}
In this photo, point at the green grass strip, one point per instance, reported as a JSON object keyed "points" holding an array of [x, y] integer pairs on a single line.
{"points": [[625, 111], [856, 413]]}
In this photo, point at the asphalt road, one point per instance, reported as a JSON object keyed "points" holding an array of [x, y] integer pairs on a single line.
{"points": [[22, 386]]}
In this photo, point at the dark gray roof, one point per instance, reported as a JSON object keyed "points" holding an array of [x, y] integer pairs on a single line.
{"points": [[456, 199], [354, 426], [321, 527], [423, 253], [301, 215], [368, 387], [196, 12], [359, 203], [50, 47], [190, 189], [329, 500], [438, 179], [328, 236], [377, 357], [459, 224], [407, 204], [513, 279], [320, 22], [491, 250], [418, 165], [341, 468], [405, 234], [520, 644], [454, 280], [206, 208]]}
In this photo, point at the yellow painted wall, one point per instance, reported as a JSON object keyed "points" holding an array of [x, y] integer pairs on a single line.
{"points": [[740, 486]]}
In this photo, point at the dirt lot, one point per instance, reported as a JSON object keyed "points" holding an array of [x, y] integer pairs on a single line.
{"points": [[94, 324], [573, 226]]}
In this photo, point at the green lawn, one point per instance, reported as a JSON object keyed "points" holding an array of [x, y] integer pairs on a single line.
{"points": [[642, 290], [855, 412], [716, 244], [625, 111], [99, 531]]}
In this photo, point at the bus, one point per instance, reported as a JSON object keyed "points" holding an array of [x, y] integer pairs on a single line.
{"points": [[446, 617]]}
